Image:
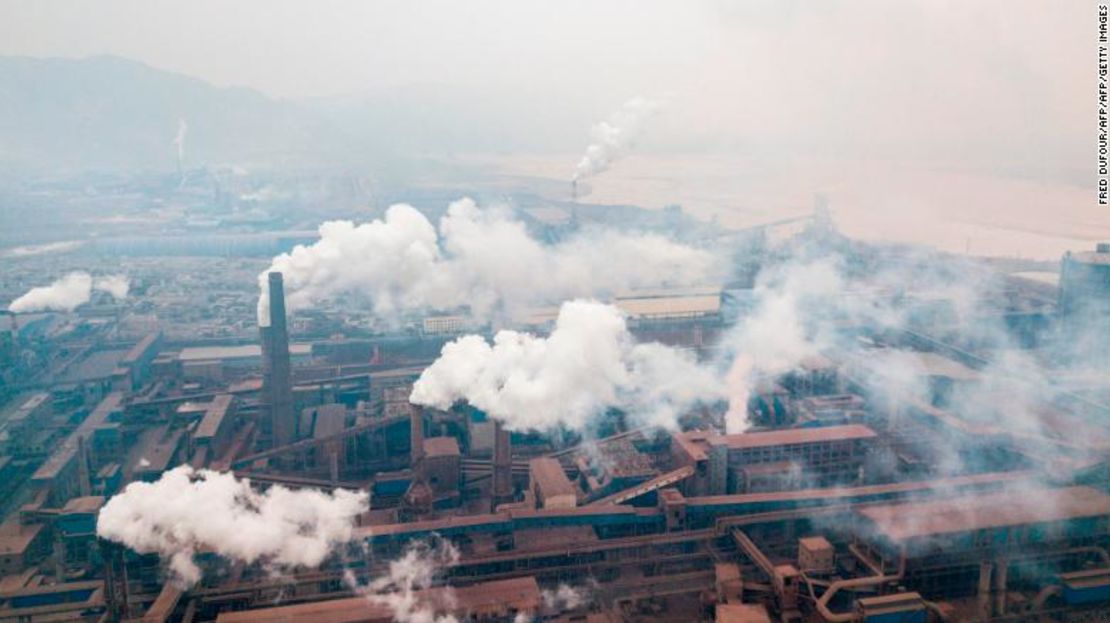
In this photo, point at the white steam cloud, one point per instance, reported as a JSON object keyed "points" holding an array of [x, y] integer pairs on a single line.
{"points": [[590, 362], [116, 285], [565, 597], [775, 338], [480, 258], [611, 139], [403, 588], [186, 511], [70, 292]]}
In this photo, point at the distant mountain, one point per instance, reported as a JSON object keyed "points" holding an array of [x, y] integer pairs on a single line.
{"points": [[106, 112]]}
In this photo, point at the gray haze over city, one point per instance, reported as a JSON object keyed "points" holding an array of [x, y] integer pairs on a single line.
{"points": [[433, 312]]}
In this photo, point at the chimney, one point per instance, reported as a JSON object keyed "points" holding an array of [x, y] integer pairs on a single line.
{"points": [[277, 377], [84, 482], [502, 465], [416, 435]]}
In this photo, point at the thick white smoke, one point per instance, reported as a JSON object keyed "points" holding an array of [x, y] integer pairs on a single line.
{"points": [[565, 597], [70, 292], [116, 285], [775, 337], [416, 570], [482, 259], [186, 511], [590, 362], [611, 139]]}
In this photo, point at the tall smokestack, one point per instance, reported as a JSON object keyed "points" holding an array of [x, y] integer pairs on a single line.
{"points": [[277, 378], [502, 465], [416, 434]]}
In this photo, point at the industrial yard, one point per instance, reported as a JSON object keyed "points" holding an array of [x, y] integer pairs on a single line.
{"points": [[870, 482], [717, 311]]}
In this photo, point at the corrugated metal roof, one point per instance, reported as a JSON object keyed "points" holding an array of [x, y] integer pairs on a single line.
{"points": [[441, 446], [140, 348], [497, 595], [245, 351], [678, 306], [548, 474], [945, 484], [68, 450], [214, 416], [1015, 507], [794, 436]]}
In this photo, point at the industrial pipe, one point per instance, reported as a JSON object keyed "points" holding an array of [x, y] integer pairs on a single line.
{"points": [[836, 587]]}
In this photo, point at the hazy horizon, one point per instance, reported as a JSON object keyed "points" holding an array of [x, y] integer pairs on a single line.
{"points": [[959, 84]]}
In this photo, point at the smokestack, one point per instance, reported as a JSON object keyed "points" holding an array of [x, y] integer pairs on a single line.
{"points": [[502, 465], [115, 580], [416, 435], [277, 378], [179, 144], [84, 482]]}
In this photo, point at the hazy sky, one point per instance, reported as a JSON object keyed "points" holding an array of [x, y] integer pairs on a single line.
{"points": [[953, 81]]}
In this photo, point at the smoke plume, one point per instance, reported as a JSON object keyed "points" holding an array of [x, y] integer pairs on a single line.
{"points": [[565, 597], [611, 139], [189, 510], [590, 362], [116, 285], [779, 333], [179, 143], [402, 588], [69, 292], [482, 259], [42, 249]]}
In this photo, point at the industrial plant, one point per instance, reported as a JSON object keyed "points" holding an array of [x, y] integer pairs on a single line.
{"points": [[714, 311], [881, 470]]}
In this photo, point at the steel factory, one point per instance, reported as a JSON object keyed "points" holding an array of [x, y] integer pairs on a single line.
{"points": [[846, 499]]}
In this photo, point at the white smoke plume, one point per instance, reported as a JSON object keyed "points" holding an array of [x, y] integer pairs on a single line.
{"points": [[116, 285], [403, 588], [565, 597], [611, 139], [188, 510], [480, 258], [589, 362], [776, 336], [42, 249], [69, 292], [179, 143]]}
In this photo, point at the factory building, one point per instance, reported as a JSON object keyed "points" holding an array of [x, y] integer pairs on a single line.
{"points": [[497, 601], [135, 367], [987, 545], [773, 460], [212, 436], [549, 484], [1085, 288], [614, 467], [22, 545], [218, 364], [670, 304], [24, 433], [441, 466], [67, 472]]}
